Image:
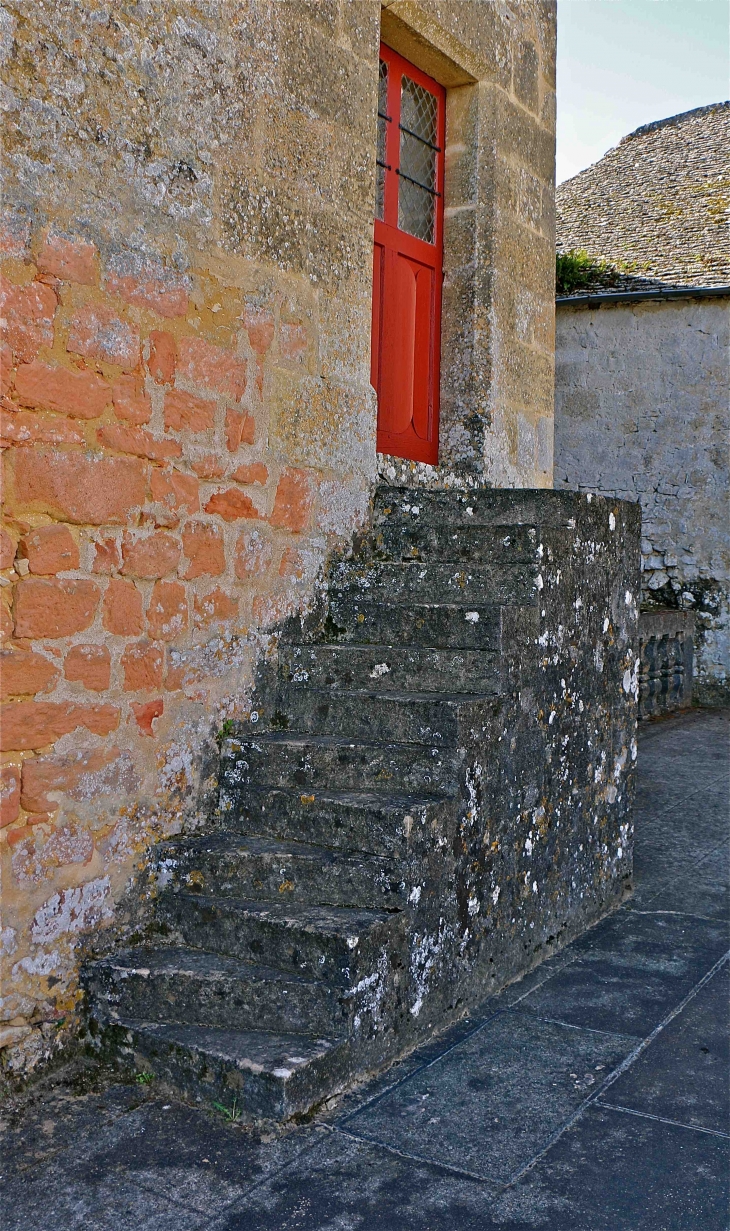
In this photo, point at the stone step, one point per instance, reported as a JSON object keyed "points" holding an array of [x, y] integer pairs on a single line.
{"points": [[276, 869], [512, 584], [406, 539], [418, 718], [382, 668], [486, 507], [194, 987], [361, 619], [310, 762], [337, 944], [257, 1075], [379, 823]]}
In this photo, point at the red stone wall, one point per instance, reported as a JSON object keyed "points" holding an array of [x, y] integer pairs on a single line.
{"points": [[151, 537]]}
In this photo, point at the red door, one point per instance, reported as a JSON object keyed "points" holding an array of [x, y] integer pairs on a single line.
{"points": [[407, 261]]}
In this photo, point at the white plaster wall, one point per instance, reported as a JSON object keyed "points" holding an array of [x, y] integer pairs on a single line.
{"points": [[641, 412]]}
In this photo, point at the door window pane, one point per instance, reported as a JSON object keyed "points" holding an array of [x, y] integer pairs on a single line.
{"points": [[417, 172], [383, 119]]}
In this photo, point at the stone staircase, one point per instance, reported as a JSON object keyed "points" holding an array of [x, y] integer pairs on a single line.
{"points": [[342, 906]]}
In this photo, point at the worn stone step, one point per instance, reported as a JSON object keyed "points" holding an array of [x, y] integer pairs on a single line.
{"points": [[323, 761], [412, 582], [419, 718], [360, 619], [260, 868], [380, 823], [337, 944], [195, 987], [486, 507], [406, 538], [382, 668], [257, 1075]]}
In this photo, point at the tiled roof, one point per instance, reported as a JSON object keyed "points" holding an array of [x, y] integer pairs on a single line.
{"points": [[655, 207]]}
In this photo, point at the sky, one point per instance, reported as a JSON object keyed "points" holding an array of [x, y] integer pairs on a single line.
{"points": [[623, 63]]}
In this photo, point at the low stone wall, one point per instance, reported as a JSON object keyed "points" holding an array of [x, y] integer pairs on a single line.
{"points": [[667, 654]]}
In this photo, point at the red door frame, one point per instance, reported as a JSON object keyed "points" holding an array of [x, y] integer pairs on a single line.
{"points": [[391, 370]]}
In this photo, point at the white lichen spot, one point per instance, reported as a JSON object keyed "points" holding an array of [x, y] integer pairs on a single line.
{"points": [[472, 617], [353, 942], [606, 624], [539, 583], [611, 522], [378, 670], [473, 905], [495, 895], [415, 895]]}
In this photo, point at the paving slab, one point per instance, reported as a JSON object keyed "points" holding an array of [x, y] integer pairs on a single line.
{"points": [[616, 1172], [684, 1073], [496, 1100], [705, 892], [345, 1184], [630, 972]]}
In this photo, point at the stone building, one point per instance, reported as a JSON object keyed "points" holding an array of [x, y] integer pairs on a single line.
{"points": [[642, 379], [305, 744]]}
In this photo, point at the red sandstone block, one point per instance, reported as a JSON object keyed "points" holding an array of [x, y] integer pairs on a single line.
{"points": [[41, 775], [293, 342], [54, 608], [293, 564], [167, 614], [210, 467], [9, 794], [86, 488], [161, 291], [259, 324], [232, 505], [255, 473], [131, 403], [35, 724], [98, 333], [293, 501], [138, 442], [89, 665], [203, 546], [185, 412], [215, 607], [68, 259], [79, 394], [253, 555], [175, 490], [163, 357], [212, 367], [23, 427], [146, 712], [107, 556], [240, 429], [7, 549], [156, 555], [28, 312], [50, 549], [23, 673], [142, 666], [122, 610]]}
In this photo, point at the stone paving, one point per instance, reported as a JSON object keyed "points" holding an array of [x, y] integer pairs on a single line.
{"points": [[590, 1096]]}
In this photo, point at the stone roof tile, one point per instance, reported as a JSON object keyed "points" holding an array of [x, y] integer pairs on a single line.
{"points": [[655, 208]]}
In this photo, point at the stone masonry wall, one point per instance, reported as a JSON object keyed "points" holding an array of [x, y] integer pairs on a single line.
{"points": [[188, 424], [641, 412]]}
